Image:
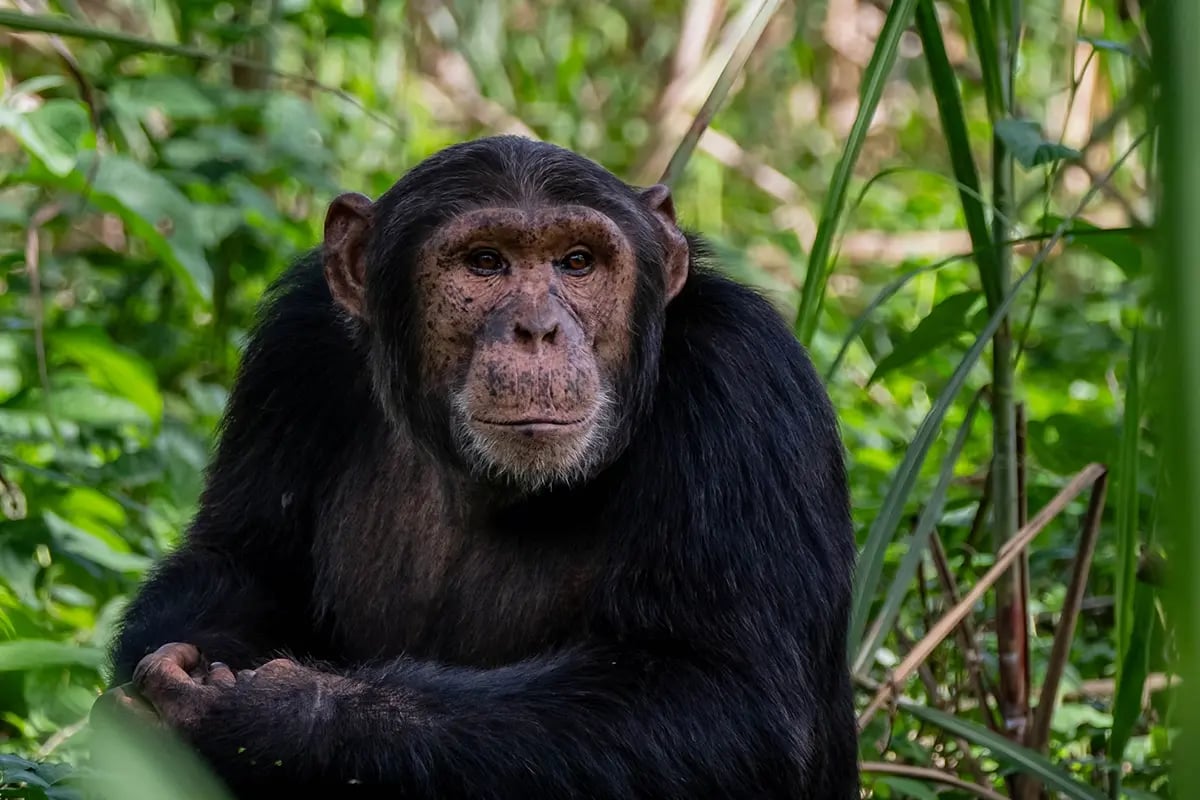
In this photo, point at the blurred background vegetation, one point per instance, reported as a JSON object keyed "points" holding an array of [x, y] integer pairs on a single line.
{"points": [[953, 200]]}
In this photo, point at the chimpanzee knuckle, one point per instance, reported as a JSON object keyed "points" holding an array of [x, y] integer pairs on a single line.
{"points": [[278, 668]]}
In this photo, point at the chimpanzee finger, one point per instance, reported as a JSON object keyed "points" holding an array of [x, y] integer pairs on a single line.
{"points": [[245, 675], [219, 674], [166, 670]]}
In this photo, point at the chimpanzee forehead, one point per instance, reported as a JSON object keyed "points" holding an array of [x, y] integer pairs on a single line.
{"points": [[531, 226]]}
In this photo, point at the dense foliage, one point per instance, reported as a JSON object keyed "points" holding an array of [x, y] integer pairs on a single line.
{"points": [[886, 171]]}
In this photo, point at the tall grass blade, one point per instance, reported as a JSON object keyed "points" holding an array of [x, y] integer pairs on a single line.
{"points": [[733, 67], [954, 128], [1132, 651], [874, 78], [1177, 63], [917, 543], [1006, 751], [870, 563]]}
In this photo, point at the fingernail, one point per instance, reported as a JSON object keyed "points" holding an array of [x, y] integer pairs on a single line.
{"points": [[218, 664]]}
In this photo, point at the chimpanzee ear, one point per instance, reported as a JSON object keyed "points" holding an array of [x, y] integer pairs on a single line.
{"points": [[658, 199], [347, 224]]}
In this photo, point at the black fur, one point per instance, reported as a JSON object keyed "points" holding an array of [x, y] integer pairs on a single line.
{"points": [[674, 628]]}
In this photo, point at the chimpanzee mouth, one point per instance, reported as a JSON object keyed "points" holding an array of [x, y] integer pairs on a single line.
{"points": [[533, 426], [531, 421]]}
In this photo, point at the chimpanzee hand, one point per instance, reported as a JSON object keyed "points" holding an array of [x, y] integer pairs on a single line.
{"points": [[179, 685], [189, 694]]}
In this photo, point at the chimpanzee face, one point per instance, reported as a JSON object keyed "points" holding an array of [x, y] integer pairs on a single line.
{"points": [[507, 322], [528, 316]]}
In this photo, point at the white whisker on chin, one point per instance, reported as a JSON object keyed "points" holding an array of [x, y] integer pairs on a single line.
{"points": [[533, 466]]}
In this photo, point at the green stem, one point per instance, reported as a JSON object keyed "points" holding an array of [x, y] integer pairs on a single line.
{"points": [[1012, 635]]}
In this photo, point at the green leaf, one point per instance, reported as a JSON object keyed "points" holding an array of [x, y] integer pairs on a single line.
{"points": [[89, 405], [1029, 146], [100, 547], [177, 98], [1125, 247], [946, 321], [1131, 676], [26, 654], [151, 206], [1134, 601], [1070, 717], [883, 527], [1066, 443], [52, 133], [111, 367], [36, 85], [1007, 751]]}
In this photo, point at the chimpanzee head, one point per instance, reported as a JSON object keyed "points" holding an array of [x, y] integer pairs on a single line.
{"points": [[511, 295]]}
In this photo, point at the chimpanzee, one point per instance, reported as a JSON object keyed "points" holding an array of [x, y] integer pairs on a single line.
{"points": [[515, 497]]}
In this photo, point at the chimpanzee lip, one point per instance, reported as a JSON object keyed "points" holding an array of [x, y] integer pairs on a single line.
{"points": [[531, 422]]}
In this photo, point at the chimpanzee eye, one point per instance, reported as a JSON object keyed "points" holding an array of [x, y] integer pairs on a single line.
{"points": [[578, 263], [485, 262]]}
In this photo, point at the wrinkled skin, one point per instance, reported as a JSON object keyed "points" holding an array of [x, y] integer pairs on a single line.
{"points": [[175, 687], [526, 326]]}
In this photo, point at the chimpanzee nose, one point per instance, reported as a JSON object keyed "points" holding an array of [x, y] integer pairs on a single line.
{"points": [[534, 330]]}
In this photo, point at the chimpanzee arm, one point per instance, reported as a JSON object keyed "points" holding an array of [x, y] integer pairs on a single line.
{"points": [[239, 587], [601, 722], [203, 596]]}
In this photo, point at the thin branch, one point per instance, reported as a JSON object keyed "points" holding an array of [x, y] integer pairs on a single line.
{"points": [[931, 774], [65, 26], [1007, 555], [737, 60], [33, 271], [1039, 735], [965, 631]]}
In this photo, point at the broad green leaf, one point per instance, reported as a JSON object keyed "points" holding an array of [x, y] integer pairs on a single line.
{"points": [[89, 405], [1066, 443], [1029, 145], [1070, 717], [152, 207], [26, 654], [1125, 247], [99, 547], [117, 369], [53, 132], [176, 97], [945, 322], [1007, 751]]}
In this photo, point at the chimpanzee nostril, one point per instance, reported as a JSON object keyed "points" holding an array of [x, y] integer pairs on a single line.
{"points": [[535, 332]]}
